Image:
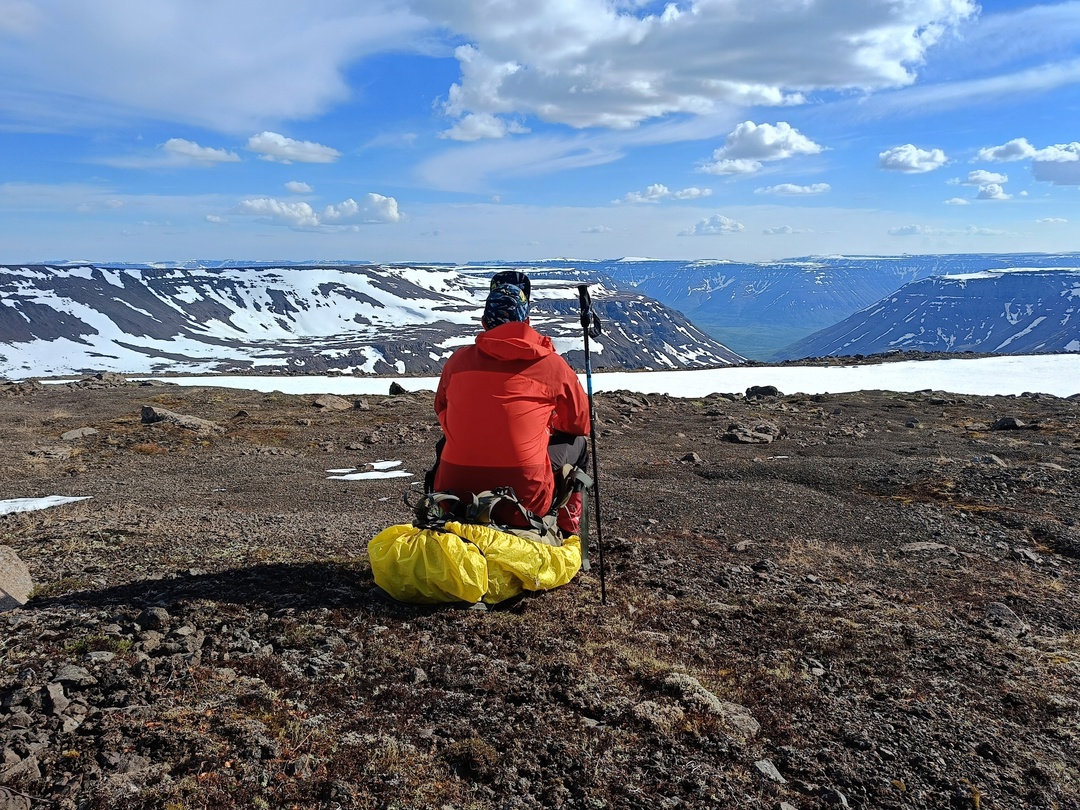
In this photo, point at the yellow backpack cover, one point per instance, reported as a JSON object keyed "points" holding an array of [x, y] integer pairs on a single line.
{"points": [[466, 562]]}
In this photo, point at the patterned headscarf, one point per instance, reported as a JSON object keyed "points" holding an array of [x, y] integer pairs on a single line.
{"points": [[505, 304]]}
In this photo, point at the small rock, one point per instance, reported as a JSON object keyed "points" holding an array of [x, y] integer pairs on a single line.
{"points": [[78, 433], [9, 800], [58, 701], [914, 548], [1026, 555], [769, 771], [1008, 423], [396, 389], [155, 618], [149, 640], [15, 581], [76, 676], [20, 719], [693, 458], [1049, 465], [833, 797], [1001, 617]]}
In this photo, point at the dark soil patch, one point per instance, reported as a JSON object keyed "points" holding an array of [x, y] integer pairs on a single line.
{"points": [[877, 609]]}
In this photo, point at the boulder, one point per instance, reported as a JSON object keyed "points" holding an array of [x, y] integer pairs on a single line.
{"points": [[762, 391], [1009, 423], [330, 402], [152, 415], [761, 433]]}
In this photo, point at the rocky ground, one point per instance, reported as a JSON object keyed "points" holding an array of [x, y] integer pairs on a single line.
{"points": [[862, 600]]}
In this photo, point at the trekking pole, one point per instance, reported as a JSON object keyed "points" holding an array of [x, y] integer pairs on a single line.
{"points": [[590, 325]]}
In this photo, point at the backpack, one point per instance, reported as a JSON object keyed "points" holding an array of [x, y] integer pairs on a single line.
{"points": [[433, 509]]}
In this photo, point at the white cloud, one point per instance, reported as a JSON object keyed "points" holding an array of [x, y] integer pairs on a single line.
{"points": [[1058, 164], [792, 190], [993, 191], [190, 152], [211, 65], [972, 230], [297, 187], [739, 166], [595, 63], [784, 230], [1052, 221], [215, 219], [909, 159], [715, 225], [295, 215], [657, 192], [1059, 153], [596, 229], [1016, 149], [981, 177], [477, 126], [371, 209], [749, 144], [957, 201], [279, 149], [175, 153], [914, 230]]}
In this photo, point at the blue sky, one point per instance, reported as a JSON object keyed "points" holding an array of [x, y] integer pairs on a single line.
{"points": [[457, 130]]}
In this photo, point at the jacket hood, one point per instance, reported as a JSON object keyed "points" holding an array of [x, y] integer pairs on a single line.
{"points": [[514, 341]]}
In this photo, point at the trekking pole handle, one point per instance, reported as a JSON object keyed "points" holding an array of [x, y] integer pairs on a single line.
{"points": [[585, 302], [589, 321]]}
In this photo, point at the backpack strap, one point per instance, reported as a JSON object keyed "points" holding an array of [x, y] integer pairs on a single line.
{"points": [[568, 480], [483, 505], [433, 509]]}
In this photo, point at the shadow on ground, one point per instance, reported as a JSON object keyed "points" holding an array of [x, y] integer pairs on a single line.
{"points": [[269, 586], [303, 586]]}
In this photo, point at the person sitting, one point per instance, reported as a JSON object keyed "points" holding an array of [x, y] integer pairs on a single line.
{"points": [[511, 409]]}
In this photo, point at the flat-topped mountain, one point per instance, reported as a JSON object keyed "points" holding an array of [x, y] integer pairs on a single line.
{"points": [[58, 320], [1017, 311]]}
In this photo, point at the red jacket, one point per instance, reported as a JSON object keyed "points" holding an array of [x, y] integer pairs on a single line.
{"points": [[498, 401]]}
